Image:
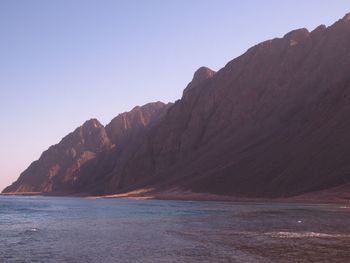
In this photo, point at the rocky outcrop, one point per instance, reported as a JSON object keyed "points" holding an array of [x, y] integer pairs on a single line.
{"points": [[82, 162], [200, 76], [265, 125], [128, 125], [58, 167], [271, 123]]}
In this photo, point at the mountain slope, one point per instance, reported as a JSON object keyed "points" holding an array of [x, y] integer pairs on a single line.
{"points": [[84, 159], [271, 123]]}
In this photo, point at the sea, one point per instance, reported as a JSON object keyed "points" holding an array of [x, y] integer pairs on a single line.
{"points": [[60, 229]]}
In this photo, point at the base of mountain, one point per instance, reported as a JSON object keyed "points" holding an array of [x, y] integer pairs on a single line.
{"points": [[340, 194]]}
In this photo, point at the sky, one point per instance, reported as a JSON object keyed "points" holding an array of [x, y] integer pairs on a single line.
{"points": [[65, 61]]}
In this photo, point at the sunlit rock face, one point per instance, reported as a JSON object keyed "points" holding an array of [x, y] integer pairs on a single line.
{"points": [[82, 158], [127, 124], [57, 167], [271, 123]]}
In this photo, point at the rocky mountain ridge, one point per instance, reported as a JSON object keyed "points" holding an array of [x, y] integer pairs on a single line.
{"points": [[271, 123]]}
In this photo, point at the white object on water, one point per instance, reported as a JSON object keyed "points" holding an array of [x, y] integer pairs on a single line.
{"points": [[303, 235]]}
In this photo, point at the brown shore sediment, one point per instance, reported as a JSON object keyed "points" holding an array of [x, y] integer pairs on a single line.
{"points": [[179, 194], [22, 194], [339, 195]]}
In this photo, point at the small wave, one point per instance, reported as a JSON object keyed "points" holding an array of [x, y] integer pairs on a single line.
{"points": [[30, 231], [303, 235]]}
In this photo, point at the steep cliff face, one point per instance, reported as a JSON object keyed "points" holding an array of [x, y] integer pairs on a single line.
{"points": [[271, 123], [57, 168], [128, 125], [84, 159]]}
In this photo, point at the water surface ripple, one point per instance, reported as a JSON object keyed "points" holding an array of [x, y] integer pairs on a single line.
{"points": [[58, 229]]}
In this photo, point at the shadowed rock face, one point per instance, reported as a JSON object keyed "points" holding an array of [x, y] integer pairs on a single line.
{"points": [[271, 123]]}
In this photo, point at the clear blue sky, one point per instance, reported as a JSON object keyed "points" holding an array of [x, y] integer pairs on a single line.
{"points": [[65, 61]]}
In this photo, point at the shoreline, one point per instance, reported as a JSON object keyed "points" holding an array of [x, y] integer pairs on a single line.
{"points": [[320, 197], [149, 194]]}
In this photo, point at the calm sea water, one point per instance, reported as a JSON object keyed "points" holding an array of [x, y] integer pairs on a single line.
{"points": [[48, 229]]}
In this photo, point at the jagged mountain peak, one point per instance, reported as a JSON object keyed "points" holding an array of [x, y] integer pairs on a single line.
{"points": [[92, 123], [202, 74], [135, 120], [346, 18], [271, 123], [297, 35]]}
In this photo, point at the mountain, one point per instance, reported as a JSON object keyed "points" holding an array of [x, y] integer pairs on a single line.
{"points": [[271, 123], [83, 160]]}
